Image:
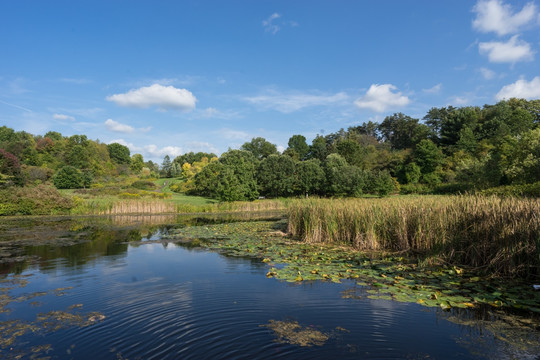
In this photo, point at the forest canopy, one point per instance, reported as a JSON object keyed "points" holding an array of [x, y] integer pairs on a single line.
{"points": [[453, 148]]}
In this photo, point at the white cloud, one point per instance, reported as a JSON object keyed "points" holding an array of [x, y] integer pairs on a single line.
{"points": [[63, 117], [487, 73], [521, 89], [434, 90], [150, 151], [230, 134], [287, 103], [210, 112], [380, 97], [154, 151], [511, 52], [196, 146], [125, 143], [268, 24], [164, 97], [118, 127], [494, 16], [213, 113], [459, 101]]}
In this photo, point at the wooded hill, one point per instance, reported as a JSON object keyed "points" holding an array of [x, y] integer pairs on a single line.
{"points": [[450, 149]]}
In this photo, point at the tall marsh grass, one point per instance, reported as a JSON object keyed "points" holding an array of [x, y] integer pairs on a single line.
{"points": [[147, 206], [499, 235]]}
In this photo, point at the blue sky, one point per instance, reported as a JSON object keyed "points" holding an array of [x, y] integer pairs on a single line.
{"points": [[168, 77]]}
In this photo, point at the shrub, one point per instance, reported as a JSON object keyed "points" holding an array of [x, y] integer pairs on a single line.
{"points": [[143, 185], [35, 200], [526, 190], [407, 189], [127, 195], [68, 177], [10, 167], [453, 188]]}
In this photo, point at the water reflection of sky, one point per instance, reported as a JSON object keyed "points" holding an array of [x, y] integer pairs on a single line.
{"points": [[162, 300]]}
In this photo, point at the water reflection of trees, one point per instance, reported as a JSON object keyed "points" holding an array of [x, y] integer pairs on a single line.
{"points": [[498, 332], [44, 241]]}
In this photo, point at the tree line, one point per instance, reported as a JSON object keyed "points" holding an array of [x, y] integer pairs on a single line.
{"points": [[457, 148]]}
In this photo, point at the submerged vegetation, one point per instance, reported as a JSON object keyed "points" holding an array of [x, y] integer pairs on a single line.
{"points": [[508, 307], [290, 332], [44, 323], [387, 276]]}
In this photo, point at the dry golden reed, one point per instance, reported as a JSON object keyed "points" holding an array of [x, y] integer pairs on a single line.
{"points": [[496, 234]]}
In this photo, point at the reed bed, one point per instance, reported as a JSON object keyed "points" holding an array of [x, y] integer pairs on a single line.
{"points": [[147, 206], [140, 207], [498, 235]]}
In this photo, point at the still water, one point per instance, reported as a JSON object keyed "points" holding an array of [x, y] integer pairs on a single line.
{"points": [[128, 295]]}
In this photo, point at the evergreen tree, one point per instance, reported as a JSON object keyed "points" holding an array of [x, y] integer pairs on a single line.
{"points": [[166, 167]]}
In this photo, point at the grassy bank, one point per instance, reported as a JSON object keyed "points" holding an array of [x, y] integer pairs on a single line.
{"points": [[497, 235]]}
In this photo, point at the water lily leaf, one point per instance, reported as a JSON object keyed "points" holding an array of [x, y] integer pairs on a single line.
{"points": [[445, 305]]}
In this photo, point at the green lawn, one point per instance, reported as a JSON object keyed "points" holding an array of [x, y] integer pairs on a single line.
{"points": [[178, 198]]}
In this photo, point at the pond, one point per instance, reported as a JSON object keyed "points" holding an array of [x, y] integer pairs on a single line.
{"points": [[116, 288]]}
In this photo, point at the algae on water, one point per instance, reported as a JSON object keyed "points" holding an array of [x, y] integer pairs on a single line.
{"points": [[290, 332]]}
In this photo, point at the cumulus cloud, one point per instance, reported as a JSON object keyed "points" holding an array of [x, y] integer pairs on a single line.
{"points": [[495, 16], [63, 117], [487, 74], [118, 127], [512, 51], [269, 25], [150, 151], [164, 97], [381, 97], [155, 151], [434, 90], [521, 89], [287, 103]]}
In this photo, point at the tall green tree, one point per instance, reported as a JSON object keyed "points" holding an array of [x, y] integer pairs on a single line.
{"points": [[243, 165], [276, 176], [299, 145], [524, 158], [137, 163], [318, 149], [399, 130], [342, 179], [119, 153], [166, 167], [231, 178], [260, 148], [309, 177], [428, 156]]}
